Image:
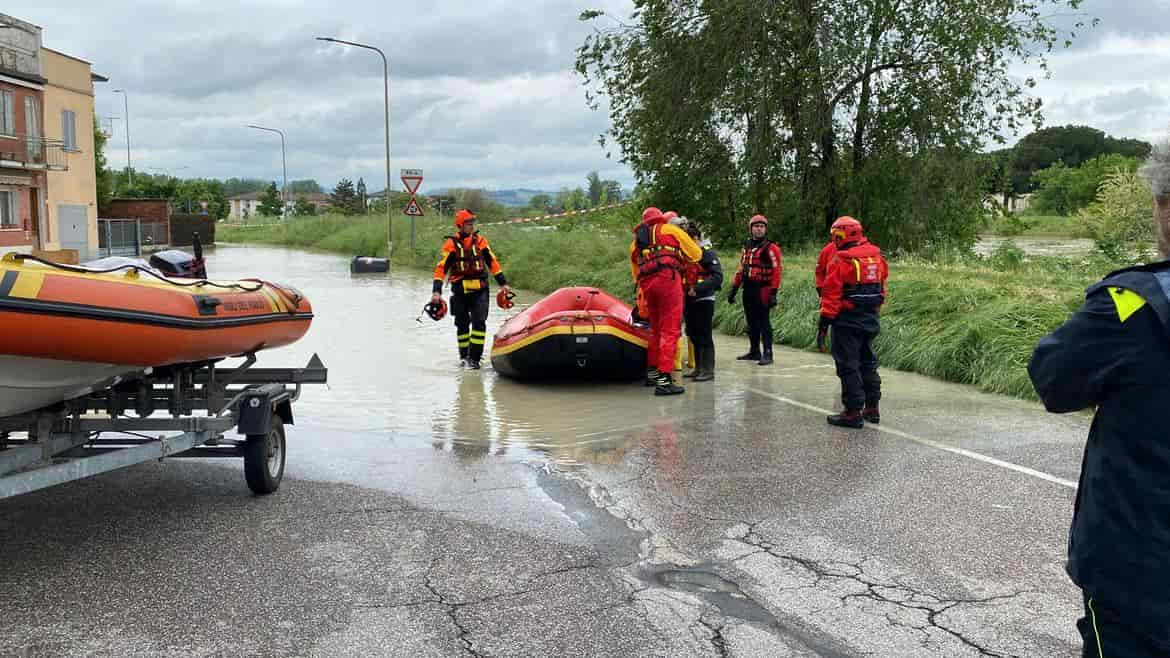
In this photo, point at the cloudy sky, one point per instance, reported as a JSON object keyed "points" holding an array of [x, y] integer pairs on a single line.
{"points": [[483, 93]]}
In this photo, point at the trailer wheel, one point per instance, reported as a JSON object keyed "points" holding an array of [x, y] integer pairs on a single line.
{"points": [[264, 458]]}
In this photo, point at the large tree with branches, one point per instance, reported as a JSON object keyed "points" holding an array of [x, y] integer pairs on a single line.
{"points": [[807, 109]]}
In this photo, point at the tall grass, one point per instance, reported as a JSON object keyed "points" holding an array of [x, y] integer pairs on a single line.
{"points": [[955, 318]]}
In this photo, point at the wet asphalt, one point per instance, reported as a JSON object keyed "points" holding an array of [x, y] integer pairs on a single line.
{"points": [[428, 511]]}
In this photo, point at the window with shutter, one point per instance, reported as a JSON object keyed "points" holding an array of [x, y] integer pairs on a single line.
{"points": [[69, 129]]}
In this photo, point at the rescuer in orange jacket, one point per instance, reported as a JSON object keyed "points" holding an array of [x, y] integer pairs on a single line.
{"points": [[760, 273], [823, 260], [659, 255], [466, 259], [853, 294]]}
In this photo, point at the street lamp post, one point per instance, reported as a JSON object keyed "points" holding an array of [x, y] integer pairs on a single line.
{"points": [[126, 109], [386, 90], [283, 171]]}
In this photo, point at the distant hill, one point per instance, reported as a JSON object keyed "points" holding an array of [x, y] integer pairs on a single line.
{"points": [[515, 198]]}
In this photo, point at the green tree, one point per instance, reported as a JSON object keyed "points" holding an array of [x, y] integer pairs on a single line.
{"points": [[1120, 219], [344, 198], [237, 186], [803, 110], [596, 188], [304, 186], [270, 204], [105, 186], [303, 208], [1070, 145], [572, 199], [1064, 190], [541, 203]]}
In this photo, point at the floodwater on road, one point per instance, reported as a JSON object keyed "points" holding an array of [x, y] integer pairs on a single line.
{"points": [[394, 372]]}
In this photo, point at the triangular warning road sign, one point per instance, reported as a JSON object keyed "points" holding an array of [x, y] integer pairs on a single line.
{"points": [[413, 209], [412, 183]]}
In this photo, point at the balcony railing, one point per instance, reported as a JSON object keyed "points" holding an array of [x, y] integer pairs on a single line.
{"points": [[34, 153]]}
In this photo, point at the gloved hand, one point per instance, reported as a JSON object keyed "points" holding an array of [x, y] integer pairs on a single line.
{"points": [[772, 297], [823, 333], [731, 295]]}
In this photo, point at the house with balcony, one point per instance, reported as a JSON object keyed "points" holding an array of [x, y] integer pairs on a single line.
{"points": [[25, 155], [71, 212]]}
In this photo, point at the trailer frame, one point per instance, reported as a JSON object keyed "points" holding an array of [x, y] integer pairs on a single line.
{"points": [[200, 403]]}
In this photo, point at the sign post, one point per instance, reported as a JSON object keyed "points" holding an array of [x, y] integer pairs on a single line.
{"points": [[411, 180]]}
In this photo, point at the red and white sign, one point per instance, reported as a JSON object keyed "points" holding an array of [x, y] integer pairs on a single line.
{"points": [[412, 179], [413, 209]]}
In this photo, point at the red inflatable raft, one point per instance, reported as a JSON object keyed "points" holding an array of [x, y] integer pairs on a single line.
{"points": [[574, 333]]}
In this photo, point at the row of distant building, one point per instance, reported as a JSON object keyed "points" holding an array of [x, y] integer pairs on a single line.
{"points": [[48, 180]]}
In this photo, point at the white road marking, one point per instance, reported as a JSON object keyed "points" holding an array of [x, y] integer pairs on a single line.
{"points": [[932, 444]]}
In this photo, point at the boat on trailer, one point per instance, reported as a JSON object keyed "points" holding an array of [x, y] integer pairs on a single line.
{"points": [[68, 329]]}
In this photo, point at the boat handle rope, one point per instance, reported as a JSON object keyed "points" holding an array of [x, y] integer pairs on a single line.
{"points": [[138, 269]]}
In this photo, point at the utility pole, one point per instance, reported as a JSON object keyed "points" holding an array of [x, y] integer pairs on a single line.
{"points": [[386, 89], [283, 172], [126, 109]]}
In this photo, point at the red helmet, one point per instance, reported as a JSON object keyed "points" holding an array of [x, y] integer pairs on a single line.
{"points": [[463, 216], [504, 299], [436, 310], [669, 215], [651, 214], [757, 219], [846, 230]]}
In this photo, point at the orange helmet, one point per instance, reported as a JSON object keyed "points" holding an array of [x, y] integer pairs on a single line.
{"points": [[757, 219], [651, 214], [463, 216], [846, 230]]}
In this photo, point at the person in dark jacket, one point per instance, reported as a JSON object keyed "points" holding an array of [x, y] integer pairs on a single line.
{"points": [[701, 281], [851, 299], [1114, 354]]}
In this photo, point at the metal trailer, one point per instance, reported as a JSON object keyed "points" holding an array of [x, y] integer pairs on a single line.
{"points": [[93, 434]]}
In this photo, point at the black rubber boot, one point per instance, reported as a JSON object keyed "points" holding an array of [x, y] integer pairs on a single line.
{"points": [[666, 386], [850, 418], [766, 359], [708, 364], [473, 364], [651, 376], [750, 356], [870, 414]]}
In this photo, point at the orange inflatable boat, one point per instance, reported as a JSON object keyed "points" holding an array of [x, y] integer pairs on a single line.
{"points": [[574, 333], [67, 327]]}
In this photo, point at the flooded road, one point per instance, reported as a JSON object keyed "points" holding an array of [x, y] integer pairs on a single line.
{"points": [[429, 510]]}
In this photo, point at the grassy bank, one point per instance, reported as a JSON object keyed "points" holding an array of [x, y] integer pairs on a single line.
{"points": [[966, 320]]}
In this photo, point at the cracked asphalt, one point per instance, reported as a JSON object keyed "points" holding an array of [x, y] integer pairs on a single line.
{"points": [[431, 512]]}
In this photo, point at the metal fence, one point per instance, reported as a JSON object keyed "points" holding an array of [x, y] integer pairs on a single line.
{"points": [[119, 237]]}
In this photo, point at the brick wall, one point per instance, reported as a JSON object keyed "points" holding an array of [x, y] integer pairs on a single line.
{"points": [[155, 210]]}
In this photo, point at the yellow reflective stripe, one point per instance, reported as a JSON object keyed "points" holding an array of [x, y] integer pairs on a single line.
{"points": [[478, 341], [1096, 633], [1127, 302], [857, 266], [28, 285]]}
